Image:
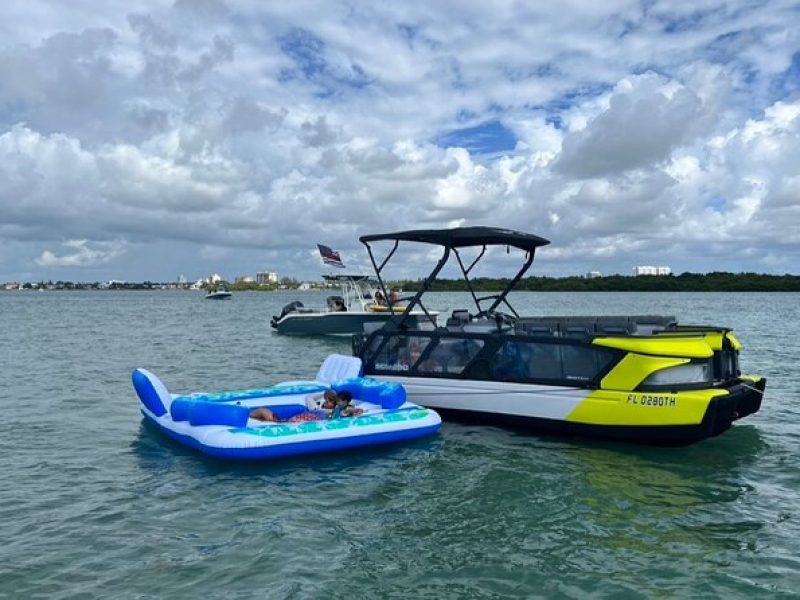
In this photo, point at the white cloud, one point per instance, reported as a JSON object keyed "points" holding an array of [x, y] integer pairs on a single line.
{"points": [[647, 117], [82, 255], [255, 130]]}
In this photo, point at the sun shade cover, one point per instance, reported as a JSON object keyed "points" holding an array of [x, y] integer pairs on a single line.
{"points": [[460, 237]]}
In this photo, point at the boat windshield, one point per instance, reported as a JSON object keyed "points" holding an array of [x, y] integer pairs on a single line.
{"points": [[357, 291]]}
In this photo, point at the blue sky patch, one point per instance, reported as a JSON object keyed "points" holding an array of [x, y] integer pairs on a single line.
{"points": [[692, 21], [717, 204], [788, 82], [725, 47], [572, 98], [486, 138], [307, 52]]}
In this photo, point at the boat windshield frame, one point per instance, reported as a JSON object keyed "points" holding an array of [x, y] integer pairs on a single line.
{"points": [[451, 240], [353, 288]]}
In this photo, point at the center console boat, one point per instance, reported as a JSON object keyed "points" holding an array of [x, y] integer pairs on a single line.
{"points": [[359, 305]]}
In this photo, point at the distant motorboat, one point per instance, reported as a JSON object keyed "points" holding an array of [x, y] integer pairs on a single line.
{"points": [[220, 294], [360, 307]]}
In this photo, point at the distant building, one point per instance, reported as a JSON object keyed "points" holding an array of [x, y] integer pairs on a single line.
{"points": [[266, 277], [244, 279], [649, 270], [182, 279], [593, 275], [215, 278]]}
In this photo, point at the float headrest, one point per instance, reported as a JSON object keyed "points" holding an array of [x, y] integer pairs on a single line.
{"points": [[152, 393]]}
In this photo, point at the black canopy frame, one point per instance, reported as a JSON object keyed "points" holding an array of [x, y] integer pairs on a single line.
{"points": [[453, 240]]}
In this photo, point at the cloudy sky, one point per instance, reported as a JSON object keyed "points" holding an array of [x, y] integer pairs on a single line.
{"points": [[192, 136]]}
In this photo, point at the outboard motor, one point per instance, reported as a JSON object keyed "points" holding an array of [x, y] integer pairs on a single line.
{"points": [[291, 307], [336, 304]]}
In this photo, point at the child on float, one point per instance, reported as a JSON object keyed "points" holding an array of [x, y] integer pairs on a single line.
{"points": [[329, 405]]}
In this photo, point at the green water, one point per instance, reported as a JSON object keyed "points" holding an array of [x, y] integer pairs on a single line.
{"points": [[95, 504]]}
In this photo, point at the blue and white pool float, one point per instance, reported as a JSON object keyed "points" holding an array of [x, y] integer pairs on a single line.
{"points": [[219, 424]]}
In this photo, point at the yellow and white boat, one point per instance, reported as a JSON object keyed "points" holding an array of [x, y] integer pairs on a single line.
{"points": [[638, 378]]}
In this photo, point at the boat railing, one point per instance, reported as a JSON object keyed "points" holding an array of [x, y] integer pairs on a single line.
{"points": [[560, 326], [584, 326]]}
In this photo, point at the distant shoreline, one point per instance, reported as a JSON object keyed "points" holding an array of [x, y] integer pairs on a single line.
{"points": [[686, 282]]}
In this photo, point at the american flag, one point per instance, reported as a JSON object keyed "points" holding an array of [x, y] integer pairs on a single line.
{"points": [[330, 257]]}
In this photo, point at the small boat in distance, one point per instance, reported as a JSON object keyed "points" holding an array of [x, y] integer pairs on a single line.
{"points": [[360, 306], [221, 293]]}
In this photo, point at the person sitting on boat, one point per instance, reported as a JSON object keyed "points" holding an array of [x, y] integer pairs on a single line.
{"points": [[509, 364], [393, 297], [379, 299]]}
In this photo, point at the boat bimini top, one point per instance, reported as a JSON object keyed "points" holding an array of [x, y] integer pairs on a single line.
{"points": [[452, 240]]}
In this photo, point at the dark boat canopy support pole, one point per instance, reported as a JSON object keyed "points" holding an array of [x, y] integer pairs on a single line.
{"points": [[425, 287], [466, 273], [502, 296], [378, 270], [400, 322]]}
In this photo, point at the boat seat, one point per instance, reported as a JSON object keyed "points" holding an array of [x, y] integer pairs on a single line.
{"points": [[615, 325], [649, 324], [539, 327], [336, 304], [457, 320], [337, 367]]}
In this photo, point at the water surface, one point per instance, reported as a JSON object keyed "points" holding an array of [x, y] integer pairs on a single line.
{"points": [[95, 504]]}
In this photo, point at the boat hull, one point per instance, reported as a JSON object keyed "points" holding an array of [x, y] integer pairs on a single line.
{"points": [[332, 323], [674, 419], [219, 296]]}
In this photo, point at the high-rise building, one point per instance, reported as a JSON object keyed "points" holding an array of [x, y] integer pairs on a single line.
{"points": [[265, 277], [649, 270]]}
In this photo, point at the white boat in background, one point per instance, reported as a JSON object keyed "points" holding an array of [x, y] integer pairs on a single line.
{"points": [[359, 307], [219, 294]]}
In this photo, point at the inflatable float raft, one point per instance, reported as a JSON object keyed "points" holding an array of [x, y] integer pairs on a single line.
{"points": [[220, 425]]}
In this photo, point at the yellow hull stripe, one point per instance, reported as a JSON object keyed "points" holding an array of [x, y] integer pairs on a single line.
{"points": [[606, 407]]}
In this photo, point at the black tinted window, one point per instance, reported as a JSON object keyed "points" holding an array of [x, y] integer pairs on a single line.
{"points": [[520, 361], [400, 352], [450, 356]]}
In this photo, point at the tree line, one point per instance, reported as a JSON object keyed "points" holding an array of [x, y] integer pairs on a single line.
{"points": [[685, 282]]}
